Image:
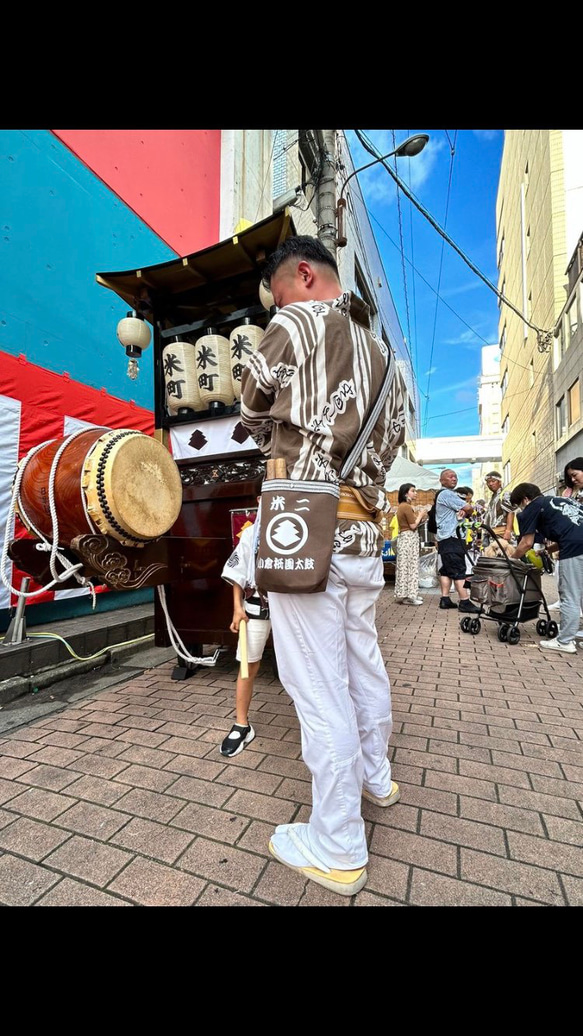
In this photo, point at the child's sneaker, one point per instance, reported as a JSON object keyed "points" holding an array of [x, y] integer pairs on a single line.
{"points": [[238, 739]]}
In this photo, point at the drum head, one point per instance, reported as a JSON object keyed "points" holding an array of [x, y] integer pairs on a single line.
{"points": [[133, 486]]}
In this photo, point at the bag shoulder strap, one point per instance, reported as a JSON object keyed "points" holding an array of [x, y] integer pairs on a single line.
{"points": [[371, 419]]}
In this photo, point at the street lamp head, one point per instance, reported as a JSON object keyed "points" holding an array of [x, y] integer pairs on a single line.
{"points": [[412, 146], [408, 149]]}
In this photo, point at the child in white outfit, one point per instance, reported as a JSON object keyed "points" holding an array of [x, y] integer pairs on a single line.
{"points": [[250, 607]]}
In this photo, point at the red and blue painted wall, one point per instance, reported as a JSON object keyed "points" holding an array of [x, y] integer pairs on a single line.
{"points": [[75, 202]]}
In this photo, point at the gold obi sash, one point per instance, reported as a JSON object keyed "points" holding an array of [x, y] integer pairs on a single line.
{"points": [[352, 506]]}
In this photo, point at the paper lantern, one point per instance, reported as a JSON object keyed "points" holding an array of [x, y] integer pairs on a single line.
{"points": [[243, 340], [181, 378], [134, 334], [213, 369]]}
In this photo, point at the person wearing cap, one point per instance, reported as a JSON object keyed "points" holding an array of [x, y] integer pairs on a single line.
{"points": [[499, 511]]}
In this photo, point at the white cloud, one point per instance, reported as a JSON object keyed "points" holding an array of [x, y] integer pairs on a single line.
{"points": [[431, 370], [449, 390], [462, 288], [486, 134]]}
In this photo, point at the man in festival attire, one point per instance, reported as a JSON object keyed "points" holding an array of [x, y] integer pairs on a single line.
{"points": [[305, 394]]}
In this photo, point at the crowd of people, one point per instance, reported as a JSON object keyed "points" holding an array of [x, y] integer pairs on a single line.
{"points": [[463, 530]]}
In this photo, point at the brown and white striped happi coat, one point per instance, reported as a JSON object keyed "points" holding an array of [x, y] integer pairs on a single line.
{"points": [[305, 394]]}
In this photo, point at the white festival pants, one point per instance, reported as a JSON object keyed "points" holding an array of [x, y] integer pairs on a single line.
{"points": [[330, 663]]}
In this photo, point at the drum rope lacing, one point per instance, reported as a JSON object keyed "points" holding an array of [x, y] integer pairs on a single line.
{"points": [[69, 570], [175, 638]]}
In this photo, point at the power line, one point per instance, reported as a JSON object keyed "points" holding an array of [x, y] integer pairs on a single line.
{"points": [[543, 337], [402, 253], [450, 413], [439, 282], [384, 316], [507, 359]]}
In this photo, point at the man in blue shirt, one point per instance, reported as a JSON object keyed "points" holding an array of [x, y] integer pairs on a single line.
{"points": [[560, 520], [450, 546]]}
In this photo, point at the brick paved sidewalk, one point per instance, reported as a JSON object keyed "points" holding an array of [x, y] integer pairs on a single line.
{"points": [[123, 797]]}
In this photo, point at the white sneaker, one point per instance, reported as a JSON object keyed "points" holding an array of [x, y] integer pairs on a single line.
{"points": [[557, 604], [553, 645], [413, 600]]}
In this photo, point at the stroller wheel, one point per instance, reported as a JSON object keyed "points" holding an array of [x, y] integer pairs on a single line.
{"points": [[475, 626], [465, 624], [503, 632], [541, 627], [513, 635], [552, 630]]}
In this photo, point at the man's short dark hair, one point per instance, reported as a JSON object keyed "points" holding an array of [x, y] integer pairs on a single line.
{"points": [[464, 490], [302, 247], [526, 490], [494, 474]]}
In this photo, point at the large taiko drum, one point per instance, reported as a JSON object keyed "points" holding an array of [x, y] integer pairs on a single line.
{"points": [[121, 483]]}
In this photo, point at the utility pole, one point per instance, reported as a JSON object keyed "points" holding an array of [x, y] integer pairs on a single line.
{"points": [[326, 195]]}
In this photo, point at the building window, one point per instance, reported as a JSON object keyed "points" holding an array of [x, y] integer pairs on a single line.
{"points": [[574, 403], [531, 373], [364, 291], [501, 252], [506, 425], [561, 417], [504, 382], [528, 242], [534, 443], [506, 473], [559, 347], [503, 339], [526, 178], [571, 323], [502, 291]]}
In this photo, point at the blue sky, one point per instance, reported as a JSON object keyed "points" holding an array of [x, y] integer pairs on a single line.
{"points": [[446, 351]]}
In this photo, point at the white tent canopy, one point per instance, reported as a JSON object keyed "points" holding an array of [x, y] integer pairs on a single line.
{"points": [[405, 471]]}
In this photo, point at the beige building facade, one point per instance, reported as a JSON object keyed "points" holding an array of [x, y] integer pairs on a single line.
{"points": [[537, 211]]}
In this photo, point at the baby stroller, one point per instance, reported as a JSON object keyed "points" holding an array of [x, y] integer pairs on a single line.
{"points": [[508, 592]]}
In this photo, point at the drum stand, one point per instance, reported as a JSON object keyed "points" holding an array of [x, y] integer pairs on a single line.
{"points": [[16, 632]]}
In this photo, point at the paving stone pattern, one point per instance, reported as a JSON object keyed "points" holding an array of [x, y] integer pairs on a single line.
{"points": [[122, 798]]}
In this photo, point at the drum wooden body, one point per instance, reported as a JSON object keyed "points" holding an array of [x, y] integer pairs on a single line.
{"points": [[121, 483]]}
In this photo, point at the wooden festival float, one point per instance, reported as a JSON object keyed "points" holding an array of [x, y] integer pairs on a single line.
{"points": [[127, 510]]}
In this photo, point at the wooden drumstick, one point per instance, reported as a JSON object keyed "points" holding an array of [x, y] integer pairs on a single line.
{"points": [[276, 468], [243, 649]]}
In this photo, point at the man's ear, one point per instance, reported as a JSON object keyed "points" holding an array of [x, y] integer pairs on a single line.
{"points": [[306, 273]]}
